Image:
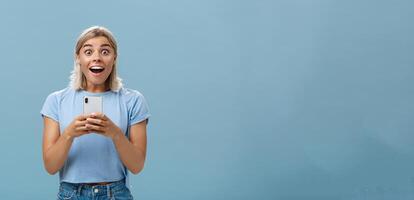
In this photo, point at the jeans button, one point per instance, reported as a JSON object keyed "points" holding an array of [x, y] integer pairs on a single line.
{"points": [[96, 190]]}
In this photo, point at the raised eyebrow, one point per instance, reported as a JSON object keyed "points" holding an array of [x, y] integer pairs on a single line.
{"points": [[103, 45], [106, 45], [86, 45]]}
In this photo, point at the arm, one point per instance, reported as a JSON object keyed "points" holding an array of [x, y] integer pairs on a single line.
{"points": [[133, 151], [55, 146]]}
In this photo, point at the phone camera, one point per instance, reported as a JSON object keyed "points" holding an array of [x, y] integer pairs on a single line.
{"points": [[86, 100]]}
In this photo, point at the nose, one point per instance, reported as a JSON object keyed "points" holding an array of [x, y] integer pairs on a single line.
{"points": [[96, 57]]}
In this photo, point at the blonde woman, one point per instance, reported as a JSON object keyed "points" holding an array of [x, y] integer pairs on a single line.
{"points": [[94, 152]]}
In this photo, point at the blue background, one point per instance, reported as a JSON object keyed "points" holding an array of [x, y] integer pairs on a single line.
{"points": [[260, 99]]}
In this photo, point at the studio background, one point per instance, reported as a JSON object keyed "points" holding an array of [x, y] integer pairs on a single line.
{"points": [[292, 100]]}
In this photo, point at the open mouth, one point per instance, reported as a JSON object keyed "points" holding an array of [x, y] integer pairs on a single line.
{"points": [[96, 69]]}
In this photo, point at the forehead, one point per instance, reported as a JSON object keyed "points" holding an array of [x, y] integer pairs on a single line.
{"points": [[97, 42]]}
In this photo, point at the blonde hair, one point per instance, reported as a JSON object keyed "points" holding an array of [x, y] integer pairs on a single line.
{"points": [[77, 78]]}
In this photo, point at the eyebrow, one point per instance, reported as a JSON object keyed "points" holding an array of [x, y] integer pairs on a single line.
{"points": [[89, 45]]}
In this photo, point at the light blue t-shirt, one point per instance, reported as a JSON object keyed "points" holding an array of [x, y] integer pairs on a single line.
{"points": [[92, 157]]}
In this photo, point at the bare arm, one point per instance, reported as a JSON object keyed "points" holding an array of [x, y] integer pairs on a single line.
{"points": [[133, 151], [55, 146]]}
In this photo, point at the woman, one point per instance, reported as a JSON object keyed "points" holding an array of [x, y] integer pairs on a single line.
{"points": [[93, 152]]}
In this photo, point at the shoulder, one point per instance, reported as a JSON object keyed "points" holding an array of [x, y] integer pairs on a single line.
{"points": [[53, 103], [130, 94], [136, 105], [60, 94]]}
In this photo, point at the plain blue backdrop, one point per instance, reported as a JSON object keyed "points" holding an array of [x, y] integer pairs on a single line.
{"points": [[259, 99]]}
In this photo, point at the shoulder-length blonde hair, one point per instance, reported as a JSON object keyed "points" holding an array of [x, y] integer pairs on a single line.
{"points": [[77, 78]]}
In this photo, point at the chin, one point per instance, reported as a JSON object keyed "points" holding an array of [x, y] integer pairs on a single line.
{"points": [[96, 82]]}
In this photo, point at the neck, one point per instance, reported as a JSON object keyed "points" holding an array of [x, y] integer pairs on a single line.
{"points": [[96, 88]]}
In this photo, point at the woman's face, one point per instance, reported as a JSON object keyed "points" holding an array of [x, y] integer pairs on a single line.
{"points": [[96, 59]]}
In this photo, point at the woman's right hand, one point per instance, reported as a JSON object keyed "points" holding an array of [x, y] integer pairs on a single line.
{"points": [[77, 127]]}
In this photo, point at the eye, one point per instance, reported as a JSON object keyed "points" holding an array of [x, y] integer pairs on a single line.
{"points": [[105, 52], [87, 52]]}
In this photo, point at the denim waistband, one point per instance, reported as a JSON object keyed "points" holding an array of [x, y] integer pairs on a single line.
{"points": [[93, 189]]}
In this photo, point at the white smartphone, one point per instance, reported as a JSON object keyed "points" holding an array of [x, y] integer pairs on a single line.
{"points": [[92, 104]]}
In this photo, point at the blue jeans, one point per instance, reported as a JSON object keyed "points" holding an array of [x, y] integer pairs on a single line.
{"points": [[79, 191]]}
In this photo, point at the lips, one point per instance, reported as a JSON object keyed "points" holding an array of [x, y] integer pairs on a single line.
{"points": [[96, 69]]}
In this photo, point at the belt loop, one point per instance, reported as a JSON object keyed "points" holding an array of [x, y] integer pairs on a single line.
{"points": [[108, 191], [79, 189]]}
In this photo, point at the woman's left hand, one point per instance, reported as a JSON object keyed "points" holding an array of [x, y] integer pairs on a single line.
{"points": [[99, 123]]}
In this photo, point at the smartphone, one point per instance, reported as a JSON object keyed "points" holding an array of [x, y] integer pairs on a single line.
{"points": [[92, 104]]}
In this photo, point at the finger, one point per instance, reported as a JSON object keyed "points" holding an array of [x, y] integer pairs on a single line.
{"points": [[104, 117], [81, 117], [94, 128], [99, 115], [94, 121], [82, 128], [80, 123]]}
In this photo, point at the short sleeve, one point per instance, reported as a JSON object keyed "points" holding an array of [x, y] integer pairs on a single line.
{"points": [[139, 110], [50, 107]]}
